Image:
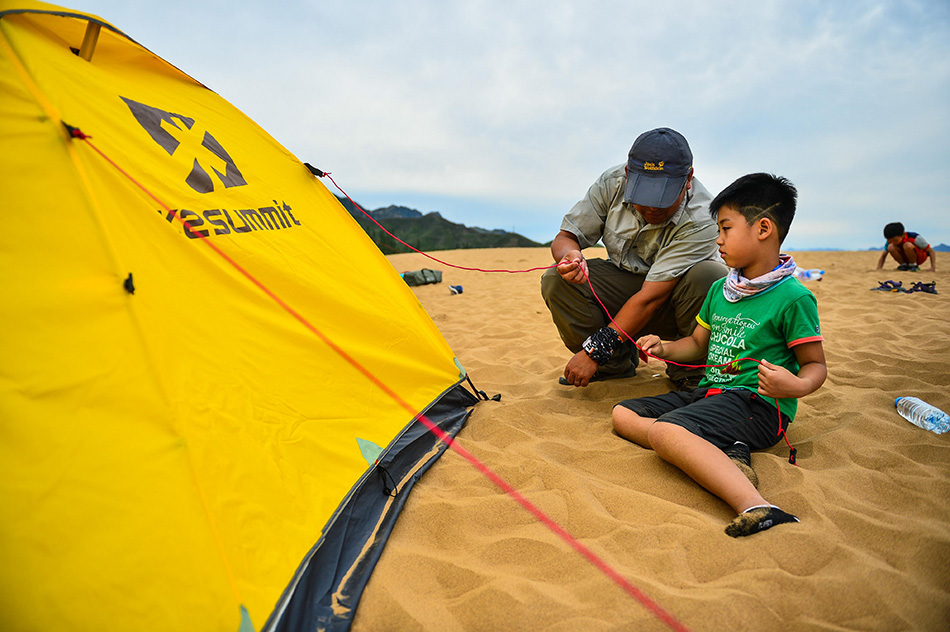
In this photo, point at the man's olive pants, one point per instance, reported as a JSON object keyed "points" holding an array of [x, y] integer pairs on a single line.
{"points": [[577, 314]]}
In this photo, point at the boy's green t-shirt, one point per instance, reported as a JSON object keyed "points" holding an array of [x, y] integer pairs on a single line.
{"points": [[764, 326]]}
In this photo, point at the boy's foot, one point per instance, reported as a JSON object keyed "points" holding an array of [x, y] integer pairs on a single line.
{"points": [[758, 519], [742, 457]]}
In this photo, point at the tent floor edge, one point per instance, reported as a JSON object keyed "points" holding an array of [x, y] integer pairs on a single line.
{"points": [[329, 583]]}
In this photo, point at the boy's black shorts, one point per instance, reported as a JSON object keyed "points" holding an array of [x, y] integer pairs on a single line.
{"points": [[736, 414]]}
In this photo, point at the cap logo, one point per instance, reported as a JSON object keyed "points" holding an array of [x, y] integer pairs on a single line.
{"points": [[654, 166]]}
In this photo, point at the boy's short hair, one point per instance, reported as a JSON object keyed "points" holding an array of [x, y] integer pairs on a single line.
{"points": [[894, 229], [759, 195]]}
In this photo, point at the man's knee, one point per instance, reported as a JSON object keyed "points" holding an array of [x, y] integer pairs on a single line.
{"points": [[570, 311], [703, 274], [551, 283], [693, 287]]}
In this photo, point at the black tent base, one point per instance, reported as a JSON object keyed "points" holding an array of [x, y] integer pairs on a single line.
{"points": [[327, 587]]}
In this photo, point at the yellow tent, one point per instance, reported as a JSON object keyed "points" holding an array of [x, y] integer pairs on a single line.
{"points": [[182, 446]]}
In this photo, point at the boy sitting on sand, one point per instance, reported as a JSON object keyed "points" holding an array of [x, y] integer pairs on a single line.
{"points": [[760, 311], [909, 250]]}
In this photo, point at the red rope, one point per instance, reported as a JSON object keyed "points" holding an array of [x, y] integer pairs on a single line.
{"points": [[414, 249], [781, 431], [643, 354], [558, 530]]}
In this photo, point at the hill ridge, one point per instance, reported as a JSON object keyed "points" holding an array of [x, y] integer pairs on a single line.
{"points": [[429, 231]]}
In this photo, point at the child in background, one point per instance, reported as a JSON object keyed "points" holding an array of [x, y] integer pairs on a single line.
{"points": [[760, 311], [910, 250]]}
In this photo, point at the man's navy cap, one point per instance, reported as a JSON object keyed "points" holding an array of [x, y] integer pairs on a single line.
{"points": [[657, 167]]}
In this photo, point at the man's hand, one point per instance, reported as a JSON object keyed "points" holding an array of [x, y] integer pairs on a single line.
{"points": [[580, 369], [573, 267]]}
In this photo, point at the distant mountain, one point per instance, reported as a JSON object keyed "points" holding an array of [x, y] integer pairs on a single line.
{"points": [[395, 211], [430, 231]]}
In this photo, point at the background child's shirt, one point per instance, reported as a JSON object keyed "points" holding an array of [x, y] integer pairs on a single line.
{"points": [[765, 326]]}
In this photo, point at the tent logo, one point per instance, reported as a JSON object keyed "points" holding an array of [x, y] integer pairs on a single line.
{"points": [[208, 152]]}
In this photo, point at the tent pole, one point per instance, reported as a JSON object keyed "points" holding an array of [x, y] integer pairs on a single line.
{"points": [[89, 40]]}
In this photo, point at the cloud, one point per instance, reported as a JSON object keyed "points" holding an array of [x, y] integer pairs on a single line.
{"points": [[504, 113]]}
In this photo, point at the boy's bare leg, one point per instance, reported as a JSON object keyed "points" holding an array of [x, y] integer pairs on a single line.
{"points": [[910, 253], [897, 252], [702, 461], [632, 426], [706, 464]]}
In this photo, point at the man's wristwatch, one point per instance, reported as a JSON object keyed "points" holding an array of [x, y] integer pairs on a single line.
{"points": [[591, 348], [601, 344]]}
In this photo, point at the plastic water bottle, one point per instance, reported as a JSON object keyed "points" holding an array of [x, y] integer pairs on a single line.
{"points": [[809, 275], [922, 414]]}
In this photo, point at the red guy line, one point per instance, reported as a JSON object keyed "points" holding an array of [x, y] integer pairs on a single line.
{"points": [[643, 354], [558, 530], [414, 249]]}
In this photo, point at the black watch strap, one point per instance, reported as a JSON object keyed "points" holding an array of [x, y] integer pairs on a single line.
{"points": [[602, 344]]}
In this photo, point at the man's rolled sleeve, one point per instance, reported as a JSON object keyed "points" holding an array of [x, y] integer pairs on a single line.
{"points": [[587, 218]]}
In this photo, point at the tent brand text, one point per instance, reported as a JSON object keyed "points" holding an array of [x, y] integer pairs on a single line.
{"points": [[219, 221]]}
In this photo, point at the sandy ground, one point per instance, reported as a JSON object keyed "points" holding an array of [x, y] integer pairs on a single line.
{"points": [[872, 551]]}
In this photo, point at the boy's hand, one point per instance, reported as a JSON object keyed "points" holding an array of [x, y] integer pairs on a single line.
{"points": [[776, 381], [651, 344]]}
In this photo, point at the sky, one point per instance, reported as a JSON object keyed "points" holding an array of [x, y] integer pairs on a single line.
{"points": [[501, 114]]}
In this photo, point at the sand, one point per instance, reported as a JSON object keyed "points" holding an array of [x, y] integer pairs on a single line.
{"points": [[872, 551]]}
